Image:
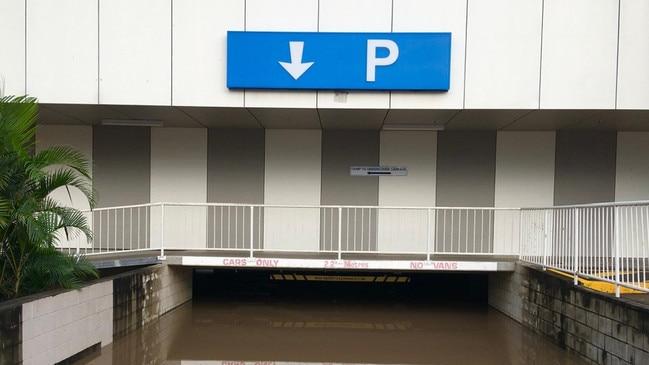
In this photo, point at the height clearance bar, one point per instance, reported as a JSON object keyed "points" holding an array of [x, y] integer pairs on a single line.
{"points": [[339, 61], [281, 263]]}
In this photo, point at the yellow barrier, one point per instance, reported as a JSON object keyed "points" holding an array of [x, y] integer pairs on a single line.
{"points": [[603, 286]]}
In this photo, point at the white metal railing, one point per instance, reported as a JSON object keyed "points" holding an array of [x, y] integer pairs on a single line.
{"points": [[605, 242], [252, 228], [115, 229]]}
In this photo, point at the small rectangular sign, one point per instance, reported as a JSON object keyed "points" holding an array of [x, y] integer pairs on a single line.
{"points": [[378, 171], [339, 61]]}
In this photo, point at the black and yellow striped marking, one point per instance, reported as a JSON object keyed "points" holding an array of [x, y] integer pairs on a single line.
{"points": [[345, 278]]}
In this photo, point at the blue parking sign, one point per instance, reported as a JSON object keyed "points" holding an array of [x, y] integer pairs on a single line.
{"points": [[338, 61]]}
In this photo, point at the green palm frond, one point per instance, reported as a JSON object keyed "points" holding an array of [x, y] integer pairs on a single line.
{"points": [[18, 115], [50, 268], [31, 222], [62, 155], [62, 178], [71, 220]]}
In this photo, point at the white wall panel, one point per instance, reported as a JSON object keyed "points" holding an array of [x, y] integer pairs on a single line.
{"points": [[179, 174], [632, 166], [434, 16], [355, 16], [633, 72], [293, 176], [579, 54], [199, 51], [524, 178], [405, 230], [179, 165], [503, 54], [281, 16], [524, 169], [135, 52], [293, 159], [12, 39], [62, 51]]}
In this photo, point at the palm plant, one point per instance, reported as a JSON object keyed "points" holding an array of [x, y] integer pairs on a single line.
{"points": [[31, 222]]}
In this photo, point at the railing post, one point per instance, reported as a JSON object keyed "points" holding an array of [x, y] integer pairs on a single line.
{"points": [[340, 232], [616, 242], [546, 239], [79, 238], [428, 237], [252, 231], [576, 238], [520, 234], [90, 242], [162, 231], [101, 222]]}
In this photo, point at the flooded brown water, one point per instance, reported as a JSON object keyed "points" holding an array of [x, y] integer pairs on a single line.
{"points": [[333, 324]]}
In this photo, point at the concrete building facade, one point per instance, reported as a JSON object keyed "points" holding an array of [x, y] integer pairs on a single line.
{"points": [[548, 102]]}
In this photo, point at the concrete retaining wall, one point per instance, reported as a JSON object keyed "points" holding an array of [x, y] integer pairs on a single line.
{"points": [[599, 327], [48, 328], [141, 298], [57, 327]]}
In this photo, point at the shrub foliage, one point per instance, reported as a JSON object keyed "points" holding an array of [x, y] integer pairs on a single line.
{"points": [[31, 221]]}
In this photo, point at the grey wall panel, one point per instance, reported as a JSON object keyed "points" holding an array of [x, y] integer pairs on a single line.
{"points": [[340, 150], [466, 168], [122, 165], [235, 166], [585, 167]]}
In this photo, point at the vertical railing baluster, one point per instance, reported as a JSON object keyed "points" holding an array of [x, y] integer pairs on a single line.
{"points": [[546, 240], [147, 228], [644, 250], [616, 248], [452, 229], [576, 237], [138, 229], [340, 232], [130, 227], [162, 230], [443, 231], [252, 211], [362, 229], [428, 237], [101, 222]]}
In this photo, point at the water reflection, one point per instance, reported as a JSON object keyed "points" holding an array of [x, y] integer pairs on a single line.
{"points": [[296, 329]]}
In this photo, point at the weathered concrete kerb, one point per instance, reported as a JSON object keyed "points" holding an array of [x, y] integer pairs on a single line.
{"points": [[599, 327], [51, 327]]}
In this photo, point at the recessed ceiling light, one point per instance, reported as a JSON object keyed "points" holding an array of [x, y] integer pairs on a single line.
{"points": [[413, 127], [133, 122]]}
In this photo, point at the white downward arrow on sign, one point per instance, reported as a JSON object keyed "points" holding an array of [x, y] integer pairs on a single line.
{"points": [[296, 68]]}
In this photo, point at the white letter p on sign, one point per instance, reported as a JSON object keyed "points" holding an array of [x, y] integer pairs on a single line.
{"points": [[373, 61]]}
